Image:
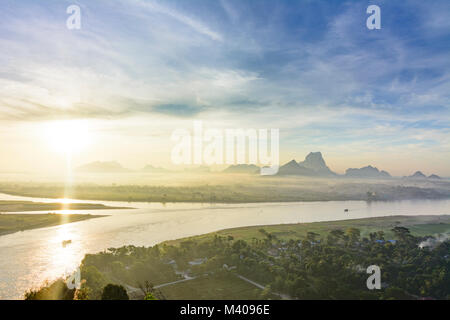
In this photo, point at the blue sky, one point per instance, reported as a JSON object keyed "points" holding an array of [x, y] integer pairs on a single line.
{"points": [[139, 68]]}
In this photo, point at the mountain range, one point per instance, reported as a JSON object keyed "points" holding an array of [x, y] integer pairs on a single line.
{"points": [[242, 168], [151, 169], [314, 165], [419, 175], [367, 172]]}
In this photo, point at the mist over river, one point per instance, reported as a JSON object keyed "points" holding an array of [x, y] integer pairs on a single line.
{"points": [[30, 257]]}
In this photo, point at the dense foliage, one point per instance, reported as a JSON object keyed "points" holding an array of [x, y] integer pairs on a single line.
{"points": [[331, 267], [114, 292]]}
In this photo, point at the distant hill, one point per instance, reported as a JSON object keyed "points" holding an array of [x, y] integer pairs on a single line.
{"points": [[313, 165], [293, 168], [102, 167], [315, 161], [367, 172], [418, 175], [151, 169], [243, 168]]}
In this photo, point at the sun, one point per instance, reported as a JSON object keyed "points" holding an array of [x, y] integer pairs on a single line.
{"points": [[67, 136]]}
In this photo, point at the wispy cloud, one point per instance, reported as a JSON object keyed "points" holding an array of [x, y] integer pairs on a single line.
{"points": [[183, 18], [310, 68]]}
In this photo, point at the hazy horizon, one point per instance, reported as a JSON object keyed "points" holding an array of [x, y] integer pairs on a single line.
{"points": [[191, 169]]}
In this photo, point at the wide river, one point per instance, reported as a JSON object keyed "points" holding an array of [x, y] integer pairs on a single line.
{"points": [[30, 257]]}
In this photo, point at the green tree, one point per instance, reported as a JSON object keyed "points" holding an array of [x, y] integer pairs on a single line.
{"points": [[353, 234], [114, 292], [149, 296], [55, 291], [150, 293], [311, 236], [266, 293], [93, 280], [401, 232], [82, 293]]}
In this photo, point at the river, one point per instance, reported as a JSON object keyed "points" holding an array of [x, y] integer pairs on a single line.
{"points": [[30, 257]]}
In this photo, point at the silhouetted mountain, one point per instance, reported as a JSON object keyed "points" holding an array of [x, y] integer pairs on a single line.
{"points": [[367, 172], [315, 161], [293, 168], [242, 168], [434, 176], [314, 166], [102, 167], [385, 174], [418, 175], [151, 169]]}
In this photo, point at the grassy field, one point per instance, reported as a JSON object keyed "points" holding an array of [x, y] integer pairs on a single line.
{"points": [[418, 225], [10, 223], [227, 287], [24, 206]]}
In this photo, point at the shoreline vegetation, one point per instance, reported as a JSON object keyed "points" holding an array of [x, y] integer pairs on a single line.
{"points": [[418, 225], [12, 223], [27, 206], [321, 260], [251, 190]]}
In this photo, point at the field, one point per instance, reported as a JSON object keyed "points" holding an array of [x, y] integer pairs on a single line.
{"points": [[10, 223], [215, 287]]}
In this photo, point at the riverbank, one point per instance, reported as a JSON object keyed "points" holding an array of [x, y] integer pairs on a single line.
{"points": [[11, 223], [284, 261], [418, 225], [26, 206], [150, 224]]}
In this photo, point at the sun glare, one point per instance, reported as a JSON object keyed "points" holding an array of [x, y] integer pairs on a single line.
{"points": [[67, 136]]}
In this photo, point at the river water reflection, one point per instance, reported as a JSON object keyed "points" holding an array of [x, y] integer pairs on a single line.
{"points": [[30, 257]]}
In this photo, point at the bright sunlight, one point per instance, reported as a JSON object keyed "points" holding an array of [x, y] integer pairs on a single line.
{"points": [[67, 136]]}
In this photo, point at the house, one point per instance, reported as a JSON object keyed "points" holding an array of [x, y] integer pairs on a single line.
{"points": [[383, 241]]}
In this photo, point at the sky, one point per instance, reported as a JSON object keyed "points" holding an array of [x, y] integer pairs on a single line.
{"points": [[137, 70]]}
